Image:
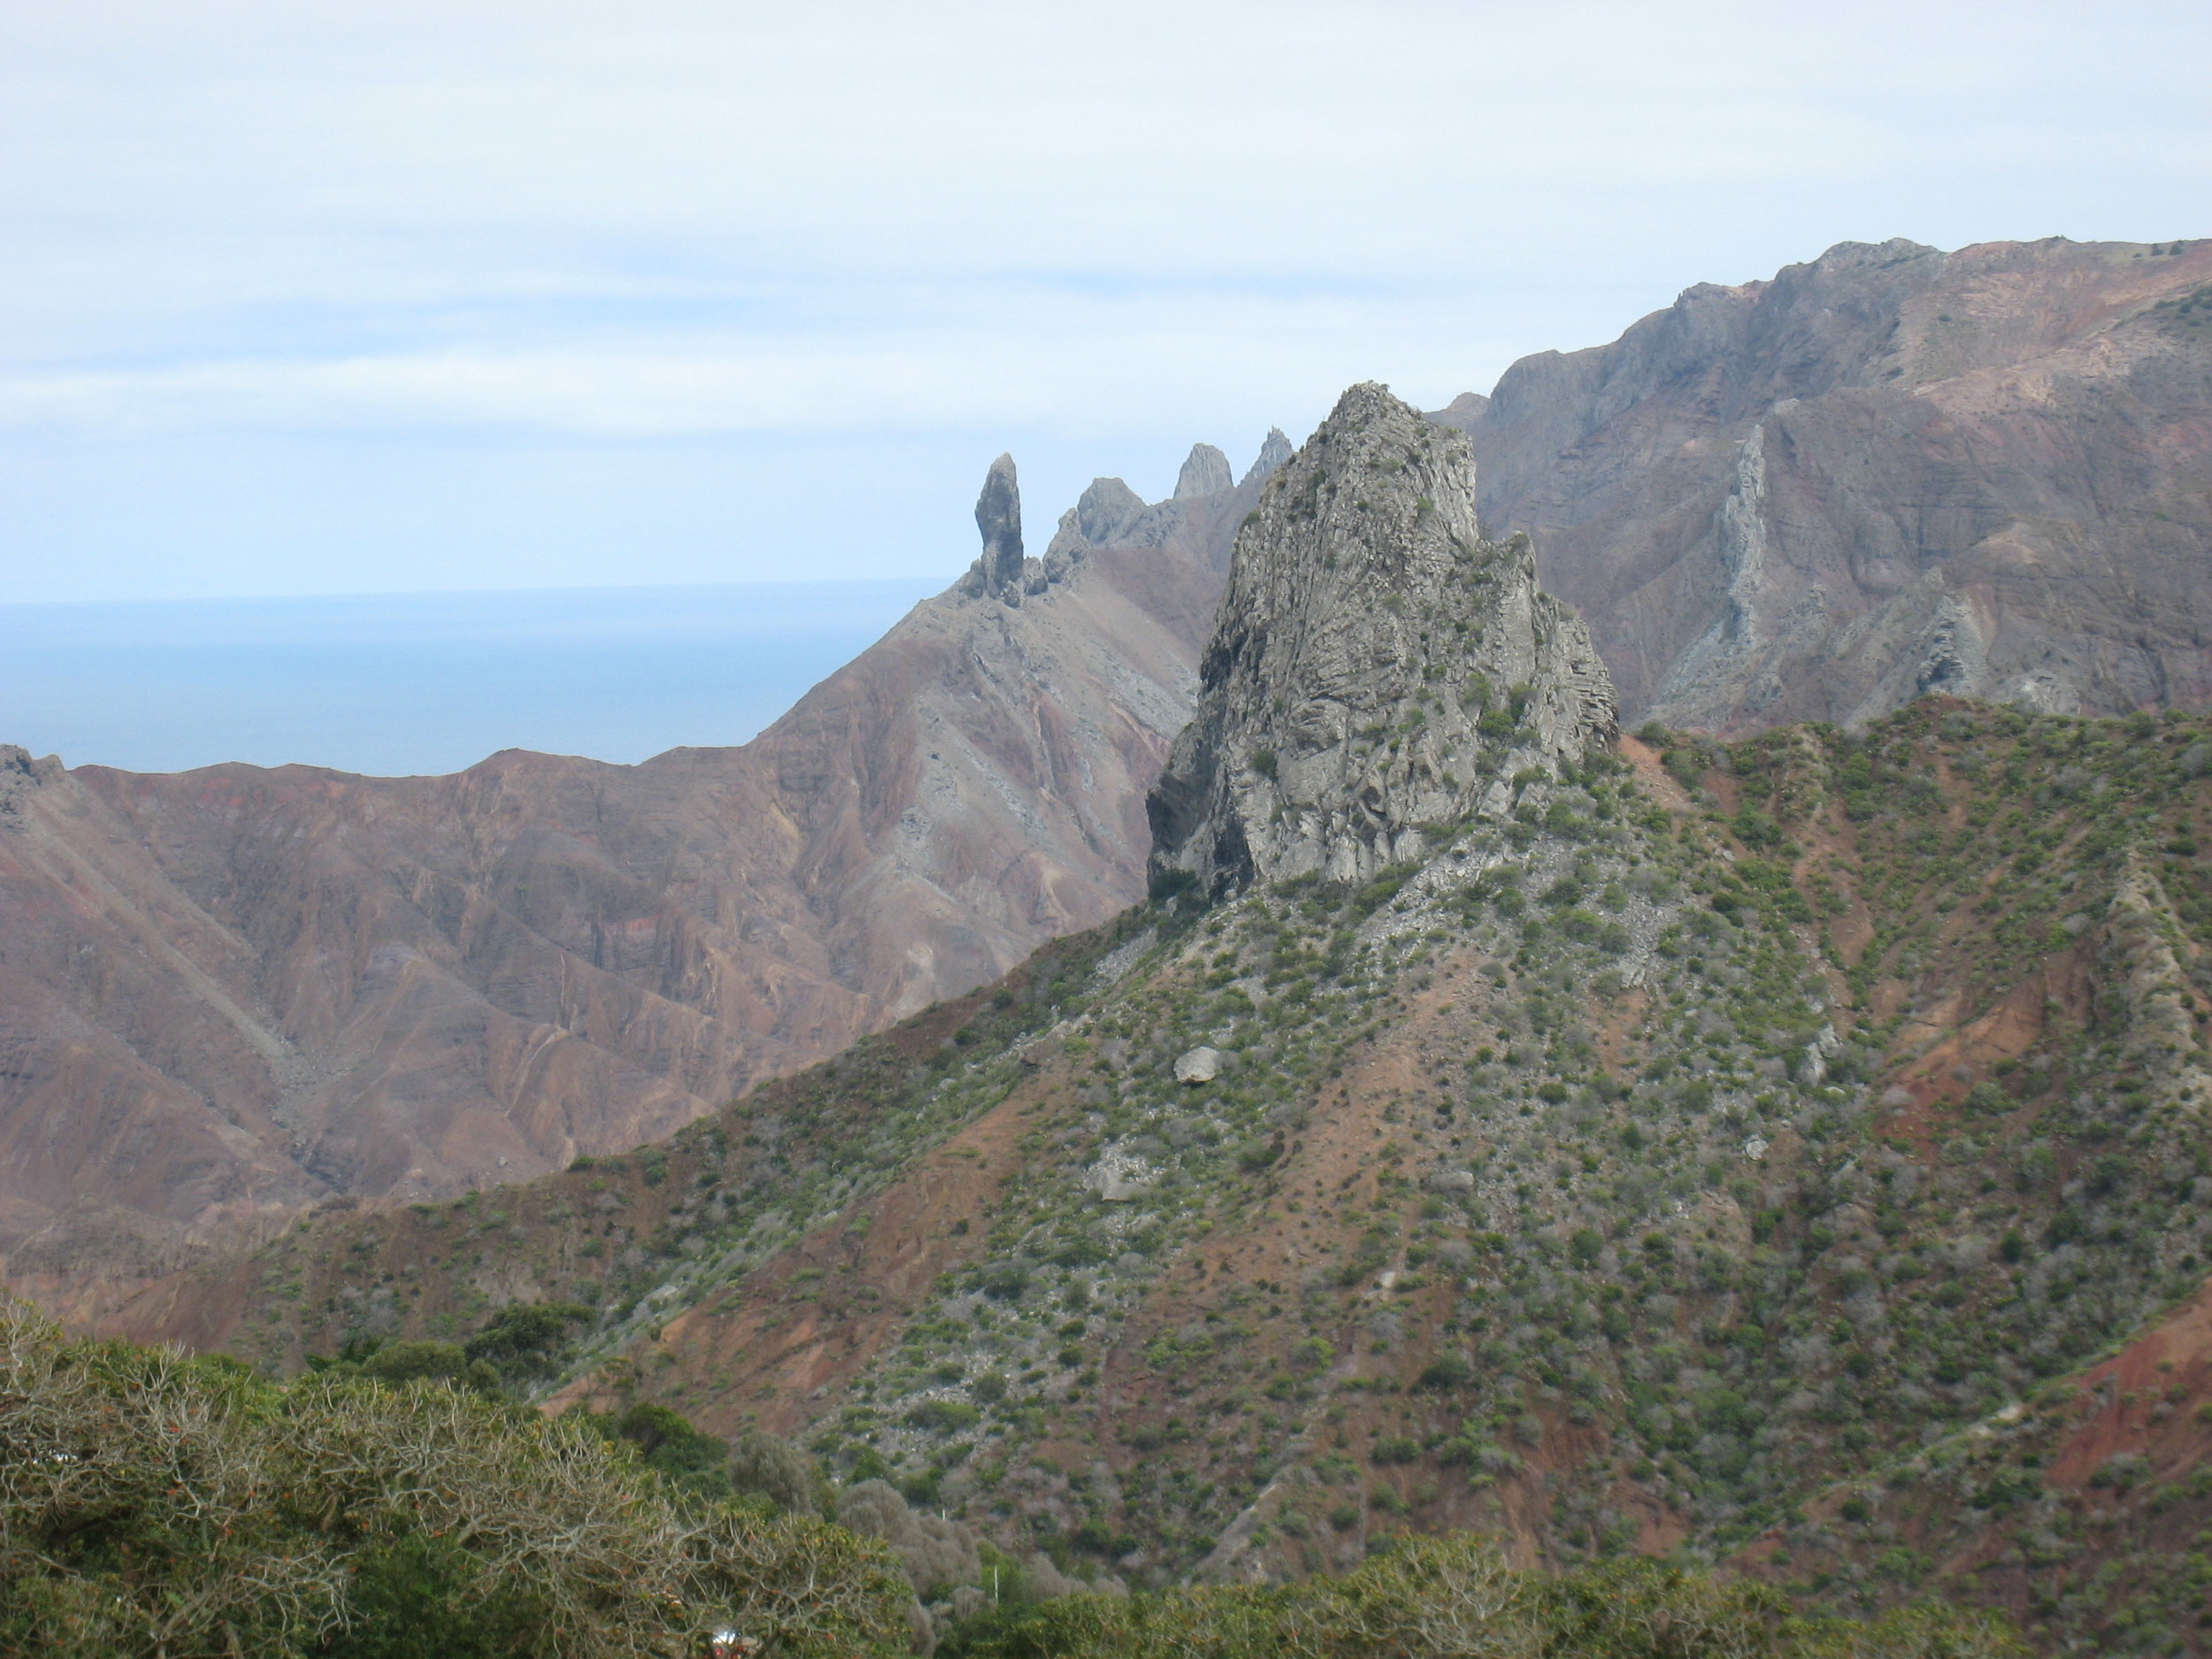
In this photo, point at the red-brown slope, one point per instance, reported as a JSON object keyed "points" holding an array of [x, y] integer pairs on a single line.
{"points": [[230, 992]]}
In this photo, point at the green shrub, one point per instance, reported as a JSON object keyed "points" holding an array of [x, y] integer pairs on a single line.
{"points": [[1447, 1371], [1456, 1598], [526, 1340], [946, 1416], [154, 1504]]}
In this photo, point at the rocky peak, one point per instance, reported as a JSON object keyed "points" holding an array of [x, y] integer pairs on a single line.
{"points": [[1206, 502], [998, 516], [1001, 571], [1205, 473], [1273, 452], [1109, 514], [1377, 668], [1107, 509]]}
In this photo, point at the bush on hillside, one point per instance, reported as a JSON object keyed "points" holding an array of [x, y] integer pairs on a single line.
{"points": [[154, 1504], [1456, 1598]]}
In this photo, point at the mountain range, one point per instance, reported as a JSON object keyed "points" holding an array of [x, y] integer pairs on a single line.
{"points": [[1385, 1097]]}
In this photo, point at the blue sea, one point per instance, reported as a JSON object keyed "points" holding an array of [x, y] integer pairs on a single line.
{"points": [[396, 684]]}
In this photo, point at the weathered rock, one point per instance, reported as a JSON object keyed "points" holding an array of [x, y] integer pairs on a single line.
{"points": [[1104, 512], [1889, 471], [998, 517], [1198, 520], [1377, 667], [1198, 1065]]}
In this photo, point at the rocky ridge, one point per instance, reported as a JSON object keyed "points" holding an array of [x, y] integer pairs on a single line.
{"points": [[1888, 472], [1109, 514]]}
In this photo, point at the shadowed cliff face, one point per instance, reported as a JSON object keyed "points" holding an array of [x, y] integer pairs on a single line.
{"points": [[1380, 670], [1889, 471], [228, 993]]}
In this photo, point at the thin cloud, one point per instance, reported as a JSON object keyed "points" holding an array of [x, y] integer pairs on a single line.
{"points": [[673, 219]]}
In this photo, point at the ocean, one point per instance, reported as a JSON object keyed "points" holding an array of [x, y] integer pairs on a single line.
{"points": [[397, 684]]}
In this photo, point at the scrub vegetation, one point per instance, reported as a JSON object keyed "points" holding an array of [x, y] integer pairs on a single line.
{"points": [[1713, 1158]]}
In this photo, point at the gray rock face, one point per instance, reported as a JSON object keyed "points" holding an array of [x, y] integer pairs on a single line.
{"points": [[1205, 473], [1202, 514], [1273, 452], [1106, 510], [1377, 666], [1888, 471], [998, 515]]}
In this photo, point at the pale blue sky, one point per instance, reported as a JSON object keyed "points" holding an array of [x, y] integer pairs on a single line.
{"points": [[325, 297]]}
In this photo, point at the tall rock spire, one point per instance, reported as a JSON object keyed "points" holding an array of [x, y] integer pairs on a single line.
{"points": [[998, 515], [1377, 668]]}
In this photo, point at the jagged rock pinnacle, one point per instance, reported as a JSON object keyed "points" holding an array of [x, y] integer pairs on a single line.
{"points": [[1107, 509], [1274, 450], [1205, 473], [1377, 669]]}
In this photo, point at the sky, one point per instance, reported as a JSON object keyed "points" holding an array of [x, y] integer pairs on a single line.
{"points": [[313, 298], [426, 682]]}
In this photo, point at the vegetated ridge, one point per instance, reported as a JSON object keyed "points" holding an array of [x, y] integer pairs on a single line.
{"points": [[1786, 1154]]}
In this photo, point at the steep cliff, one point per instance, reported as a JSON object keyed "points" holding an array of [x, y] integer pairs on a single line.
{"points": [[1888, 471], [231, 992]]}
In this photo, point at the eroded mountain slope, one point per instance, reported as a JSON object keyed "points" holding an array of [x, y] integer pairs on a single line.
{"points": [[233, 991]]}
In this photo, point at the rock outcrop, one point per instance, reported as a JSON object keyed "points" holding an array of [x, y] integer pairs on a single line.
{"points": [[229, 992], [998, 517], [1273, 453], [1379, 668], [1889, 471], [1205, 473], [1194, 523]]}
